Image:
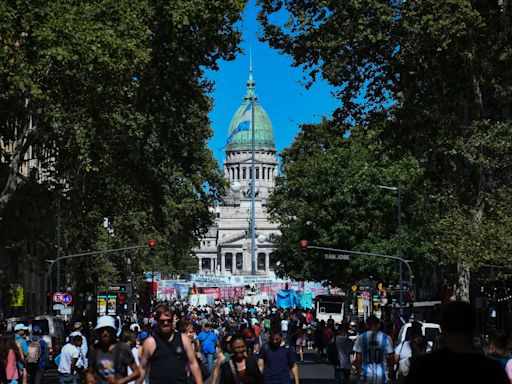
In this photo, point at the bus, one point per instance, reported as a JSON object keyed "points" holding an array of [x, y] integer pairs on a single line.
{"points": [[330, 307]]}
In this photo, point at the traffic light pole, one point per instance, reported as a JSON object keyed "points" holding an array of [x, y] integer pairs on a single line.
{"points": [[305, 245], [48, 273]]}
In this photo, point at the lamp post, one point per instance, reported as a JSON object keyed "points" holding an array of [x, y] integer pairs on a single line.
{"points": [[400, 250]]}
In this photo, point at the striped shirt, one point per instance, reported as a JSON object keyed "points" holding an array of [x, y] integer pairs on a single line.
{"points": [[374, 347]]}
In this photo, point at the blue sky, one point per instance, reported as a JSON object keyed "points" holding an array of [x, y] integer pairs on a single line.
{"points": [[278, 86]]}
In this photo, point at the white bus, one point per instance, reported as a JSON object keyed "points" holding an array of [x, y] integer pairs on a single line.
{"points": [[330, 307]]}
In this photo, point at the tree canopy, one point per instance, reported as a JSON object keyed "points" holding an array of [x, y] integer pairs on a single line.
{"points": [[110, 98], [438, 72]]}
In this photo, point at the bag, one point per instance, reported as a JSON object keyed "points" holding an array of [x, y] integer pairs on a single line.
{"points": [[332, 353], [34, 352], [57, 359], [250, 334]]}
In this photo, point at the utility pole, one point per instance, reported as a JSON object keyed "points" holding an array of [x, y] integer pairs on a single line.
{"points": [[59, 227], [253, 205], [400, 249], [129, 285]]}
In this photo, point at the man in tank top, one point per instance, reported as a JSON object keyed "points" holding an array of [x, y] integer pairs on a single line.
{"points": [[166, 354]]}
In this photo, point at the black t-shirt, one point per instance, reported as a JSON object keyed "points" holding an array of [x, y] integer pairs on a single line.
{"points": [[251, 375], [110, 363], [448, 367]]}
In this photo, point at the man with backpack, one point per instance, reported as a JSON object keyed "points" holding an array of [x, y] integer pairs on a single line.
{"points": [[277, 359], [338, 352], [37, 357]]}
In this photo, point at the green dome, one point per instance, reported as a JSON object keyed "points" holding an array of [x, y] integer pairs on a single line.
{"points": [[263, 133]]}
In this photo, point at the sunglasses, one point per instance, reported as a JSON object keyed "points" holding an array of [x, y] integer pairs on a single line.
{"points": [[161, 322]]}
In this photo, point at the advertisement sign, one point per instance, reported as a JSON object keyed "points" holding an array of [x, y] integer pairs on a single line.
{"points": [[107, 306], [18, 294]]}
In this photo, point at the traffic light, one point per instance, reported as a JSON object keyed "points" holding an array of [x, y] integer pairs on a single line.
{"points": [[48, 298], [303, 244], [151, 244]]}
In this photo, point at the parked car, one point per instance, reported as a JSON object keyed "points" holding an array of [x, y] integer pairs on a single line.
{"points": [[431, 331]]}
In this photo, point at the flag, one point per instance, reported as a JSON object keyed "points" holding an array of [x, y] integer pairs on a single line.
{"points": [[244, 124]]}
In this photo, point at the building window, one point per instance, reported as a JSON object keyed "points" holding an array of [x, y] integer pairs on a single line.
{"points": [[238, 173], [263, 173], [250, 173], [244, 173], [272, 261], [228, 262], [257, 173], [239, 262], [261, 261], [206, 264]]}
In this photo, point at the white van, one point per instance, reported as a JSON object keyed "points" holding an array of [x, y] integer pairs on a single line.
{"points": [[52, 328], [431, 331]]}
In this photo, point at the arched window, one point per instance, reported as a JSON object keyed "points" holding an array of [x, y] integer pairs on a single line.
{"points": [[261, 262]]}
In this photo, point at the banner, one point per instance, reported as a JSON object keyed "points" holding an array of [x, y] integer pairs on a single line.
{"points": [[18, 294], [286, 299], [215, 292], [305, 300]]}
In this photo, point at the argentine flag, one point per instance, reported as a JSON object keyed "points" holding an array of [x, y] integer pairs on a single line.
{"points": [[244, 124]]}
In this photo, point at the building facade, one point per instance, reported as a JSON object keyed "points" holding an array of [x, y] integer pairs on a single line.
{"points": [[226, 248]]}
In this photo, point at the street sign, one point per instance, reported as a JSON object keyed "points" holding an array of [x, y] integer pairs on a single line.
{"points": [[66, 311], [57, 297], [117, 288], [58, 307], [66, 299], [336, 256]]}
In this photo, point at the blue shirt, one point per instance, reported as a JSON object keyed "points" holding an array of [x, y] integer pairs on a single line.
{"points": [[208, 341], [23, 342], [278, 363], [374, 347]]}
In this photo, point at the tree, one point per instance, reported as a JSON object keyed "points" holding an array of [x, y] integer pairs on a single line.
{"points": [[329, 194], [110, 97], [439, 71]]}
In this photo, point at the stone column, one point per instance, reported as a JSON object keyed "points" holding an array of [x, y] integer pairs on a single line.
{"points": [[212, 265], [222, 263], [200, 264], [267, 263]]}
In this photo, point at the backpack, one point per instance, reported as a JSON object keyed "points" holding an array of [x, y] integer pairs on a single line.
{"points": [[332, 352], [34, 352], [250, 334]]}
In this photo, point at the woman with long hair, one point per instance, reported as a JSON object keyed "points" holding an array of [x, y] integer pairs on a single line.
{"points": [[240, 369], [9, 356]]}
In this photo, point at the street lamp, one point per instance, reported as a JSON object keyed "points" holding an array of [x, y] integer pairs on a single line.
{"points": [[400, 251]]}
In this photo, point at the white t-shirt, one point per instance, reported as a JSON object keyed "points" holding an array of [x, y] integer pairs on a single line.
{"points": [[404, 352], [68, 352], [374, 346], [284, 325]]}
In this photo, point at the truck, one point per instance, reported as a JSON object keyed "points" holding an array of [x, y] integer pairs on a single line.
{"points": [[330, 307]]}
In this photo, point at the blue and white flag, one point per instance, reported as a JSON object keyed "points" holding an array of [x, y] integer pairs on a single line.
{"points": [[244, 124]]}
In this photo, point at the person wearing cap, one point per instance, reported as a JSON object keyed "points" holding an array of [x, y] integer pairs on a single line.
{"points": [[108, 358], [167, 353], [22, 343], [36, 369], [209, 342], [374, 354], [352, 331]]}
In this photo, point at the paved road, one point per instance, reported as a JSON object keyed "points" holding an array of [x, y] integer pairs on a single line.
{"points": [[310, 372]]}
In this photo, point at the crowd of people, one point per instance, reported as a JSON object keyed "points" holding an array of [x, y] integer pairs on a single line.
{"points": [[245, 344]]}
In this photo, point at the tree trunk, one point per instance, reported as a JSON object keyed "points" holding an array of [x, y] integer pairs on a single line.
{"points": [[462, 286]]}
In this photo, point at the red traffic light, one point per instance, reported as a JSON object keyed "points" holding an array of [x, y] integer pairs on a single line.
{"points": [[151, 243], [303, 244]]}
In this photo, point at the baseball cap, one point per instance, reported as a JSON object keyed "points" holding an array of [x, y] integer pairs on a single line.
{"points": [[106, 322], [20, 327], [36, 329], [352, 323]]}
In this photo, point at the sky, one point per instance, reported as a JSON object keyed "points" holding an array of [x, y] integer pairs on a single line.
{"points": [[278, 86]]}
